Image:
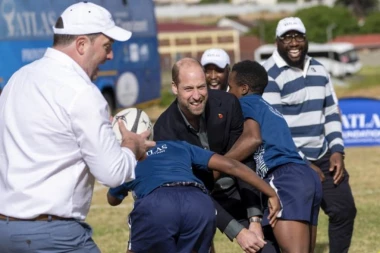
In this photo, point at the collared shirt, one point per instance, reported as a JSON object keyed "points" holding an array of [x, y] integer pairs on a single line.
{"points": [[223, 183], [305, 99], [55, 137], [202, 131]]}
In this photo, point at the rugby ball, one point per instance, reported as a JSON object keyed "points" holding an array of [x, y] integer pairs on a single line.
{"points": [[135, 120]]}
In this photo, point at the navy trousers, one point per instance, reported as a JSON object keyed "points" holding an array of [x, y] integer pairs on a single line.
{"points": [[338, 203], [172, 219]]}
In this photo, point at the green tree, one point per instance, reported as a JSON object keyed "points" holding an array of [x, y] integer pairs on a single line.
{"points": [[319, 18], [265, 30], [361, 8], [372, 23]]}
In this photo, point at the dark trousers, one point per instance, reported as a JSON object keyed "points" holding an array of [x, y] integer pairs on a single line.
{"points": [[338, 203]]}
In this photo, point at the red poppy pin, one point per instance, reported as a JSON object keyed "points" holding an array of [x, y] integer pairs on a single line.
{"points": [[220, 116]]}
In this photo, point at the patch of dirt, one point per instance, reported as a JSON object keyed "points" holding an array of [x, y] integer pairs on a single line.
{"points": [[372, 92]]}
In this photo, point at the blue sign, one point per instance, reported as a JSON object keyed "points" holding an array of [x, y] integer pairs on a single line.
{"points": [[360, 121], [133, 75]]}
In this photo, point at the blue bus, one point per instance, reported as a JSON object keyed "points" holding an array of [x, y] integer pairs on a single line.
{"points": [[132, 78]]}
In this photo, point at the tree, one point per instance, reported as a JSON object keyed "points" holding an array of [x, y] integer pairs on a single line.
{"points": [[265, 30], [360, 8], [317, 20], [372, 24]]}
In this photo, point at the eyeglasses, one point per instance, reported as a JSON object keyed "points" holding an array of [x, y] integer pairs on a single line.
{"points": [[289, 37]]}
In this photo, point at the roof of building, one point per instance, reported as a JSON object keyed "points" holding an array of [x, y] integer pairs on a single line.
{"points": [[360, 41], [186, 27]]}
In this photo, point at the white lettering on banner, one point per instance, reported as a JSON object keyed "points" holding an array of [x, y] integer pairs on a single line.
{"points": [[356, 134], [31, 54], [360, 120], [26, 23]]}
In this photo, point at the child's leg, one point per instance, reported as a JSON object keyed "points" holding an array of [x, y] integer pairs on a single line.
{"points": [[313, 237], [299, 192], [292, 236]]}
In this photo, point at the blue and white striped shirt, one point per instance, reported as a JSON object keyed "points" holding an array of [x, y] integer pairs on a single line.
{"points": [[305, 99]]}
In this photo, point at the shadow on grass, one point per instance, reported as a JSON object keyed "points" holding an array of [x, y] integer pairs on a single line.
{"points": [[321, 247]]}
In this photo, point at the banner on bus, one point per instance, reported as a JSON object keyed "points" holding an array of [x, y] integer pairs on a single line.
{"points": [[360, 121]]}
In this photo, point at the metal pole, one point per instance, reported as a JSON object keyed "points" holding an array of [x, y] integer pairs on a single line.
{"points": [[329, 37]]}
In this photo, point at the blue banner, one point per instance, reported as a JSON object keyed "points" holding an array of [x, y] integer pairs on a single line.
{"points": [[360, 121]]}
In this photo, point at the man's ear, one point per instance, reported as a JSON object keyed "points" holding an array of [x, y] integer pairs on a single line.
{"points": [[244, 89], [174, 88], [82, 43]]}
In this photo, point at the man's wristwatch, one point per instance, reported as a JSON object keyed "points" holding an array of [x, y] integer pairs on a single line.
{"points": [[255, 219]]}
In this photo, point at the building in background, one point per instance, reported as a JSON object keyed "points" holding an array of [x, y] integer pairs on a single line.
{"points": [[176, 1], [178, 40], [242, 26]]}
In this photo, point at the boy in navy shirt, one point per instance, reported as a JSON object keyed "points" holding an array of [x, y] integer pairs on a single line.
{"points": [[267, 136], [173, 211]]}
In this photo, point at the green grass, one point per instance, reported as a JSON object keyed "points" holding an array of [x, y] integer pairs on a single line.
{"points": [[167, 97], [367, 77], [111, 230]]}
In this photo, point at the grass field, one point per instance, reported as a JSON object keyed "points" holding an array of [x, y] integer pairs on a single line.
{"points": [[111, 230]]}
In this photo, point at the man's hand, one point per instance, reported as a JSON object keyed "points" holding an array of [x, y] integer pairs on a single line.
{"points": [[318, 170], [256, 228], [138, 143], [337, 166], [249, 242]]}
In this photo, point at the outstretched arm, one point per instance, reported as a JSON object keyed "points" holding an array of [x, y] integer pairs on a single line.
{"points": [[116, 195], [237, 169], [247, 143]]}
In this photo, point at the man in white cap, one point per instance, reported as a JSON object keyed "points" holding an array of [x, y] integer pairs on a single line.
{"points": [[217, 67], [301, 89], [56, 138]]}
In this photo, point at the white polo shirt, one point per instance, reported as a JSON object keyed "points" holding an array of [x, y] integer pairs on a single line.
{"points": [[55, 137]]}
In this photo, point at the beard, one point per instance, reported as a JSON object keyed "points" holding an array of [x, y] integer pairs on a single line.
{"points": [[294, 63]]}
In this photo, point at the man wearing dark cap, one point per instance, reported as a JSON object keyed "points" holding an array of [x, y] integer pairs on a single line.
{"points": [[301, 89], [56, 138]]}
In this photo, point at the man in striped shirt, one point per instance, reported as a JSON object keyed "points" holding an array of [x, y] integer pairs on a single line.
{"points": [[300, 88]]}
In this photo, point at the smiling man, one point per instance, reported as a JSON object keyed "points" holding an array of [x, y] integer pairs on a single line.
{"points": [[217, 68], [301, 89], [212, 120], [56, 138]]}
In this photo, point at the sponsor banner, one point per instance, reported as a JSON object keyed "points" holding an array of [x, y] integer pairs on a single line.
{"points": [[360, 121]]}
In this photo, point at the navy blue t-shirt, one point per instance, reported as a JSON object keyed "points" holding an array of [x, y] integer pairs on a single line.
{"points": [[278, 147], [167, 162]]}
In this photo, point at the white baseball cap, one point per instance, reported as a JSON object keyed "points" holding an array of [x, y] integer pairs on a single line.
{"points": [[290, 24], [87, 18], [216, 56]]}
